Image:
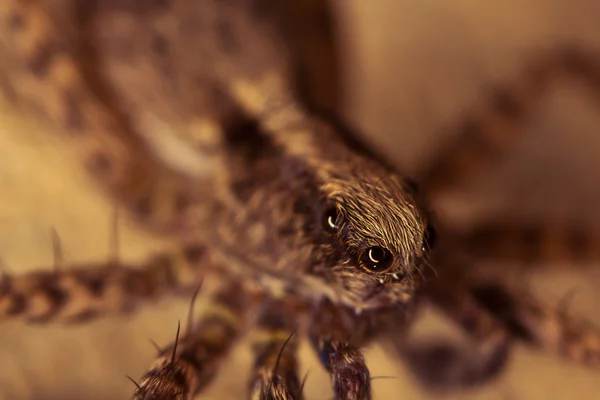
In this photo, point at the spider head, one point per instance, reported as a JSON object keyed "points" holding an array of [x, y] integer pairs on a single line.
{"points": [[374, 238]]}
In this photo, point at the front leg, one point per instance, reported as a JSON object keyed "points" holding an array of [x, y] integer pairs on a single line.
{"points": [[188, 365], [337, 334], [443, 366], [349, 373]]}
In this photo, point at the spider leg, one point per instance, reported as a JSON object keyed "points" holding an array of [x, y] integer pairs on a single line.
{"points": [[488, 132], [549, 328], [314, 46], [529, 244], [442, 366], [349, 373], [82, 292], [346, 365], [60, 85], [336, 337], [190, 363], [275, 372]]}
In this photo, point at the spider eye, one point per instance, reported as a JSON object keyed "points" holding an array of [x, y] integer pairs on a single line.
{"points": [[332, 220], [377, 259], [429, 238]]}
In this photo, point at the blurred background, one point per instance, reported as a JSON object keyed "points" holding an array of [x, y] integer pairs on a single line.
{"points": [[411, 68]]}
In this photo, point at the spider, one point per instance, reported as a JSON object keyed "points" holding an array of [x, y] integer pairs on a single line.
{"points": [[309, 232]]}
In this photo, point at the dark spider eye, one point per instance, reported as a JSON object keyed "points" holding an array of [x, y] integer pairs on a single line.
{"points": [[377, 259], [429, 238], [332, 220]]}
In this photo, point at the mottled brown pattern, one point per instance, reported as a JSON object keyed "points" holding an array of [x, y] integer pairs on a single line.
{"points": [[287, 208], [549, 328], [81, 292]]}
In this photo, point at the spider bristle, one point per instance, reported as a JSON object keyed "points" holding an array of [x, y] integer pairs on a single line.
{"points": [[191, 309], [303, 383], [156, 346], [276, 366], [114, 239], [57, 251], [174, 354], [137, 385]]}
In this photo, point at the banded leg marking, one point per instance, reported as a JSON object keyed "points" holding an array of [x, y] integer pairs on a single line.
{"points": [[530, 244], [547, 327], [188, 365], [79, 293]]}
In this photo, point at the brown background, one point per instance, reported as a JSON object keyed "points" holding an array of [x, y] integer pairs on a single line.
{"points": [[413, 67]]}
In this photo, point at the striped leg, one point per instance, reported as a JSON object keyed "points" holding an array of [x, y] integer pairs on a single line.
{"points": [[54, 73], [187, 366], [275, 372], [529, 244], [546, 327], [78, 293], [492, 128], [441, 366]]}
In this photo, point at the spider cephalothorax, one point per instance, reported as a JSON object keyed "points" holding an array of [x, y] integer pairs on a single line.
{"points": [[372, 236]]}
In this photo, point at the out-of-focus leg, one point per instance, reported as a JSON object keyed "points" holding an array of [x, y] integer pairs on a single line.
{"points": [[546, 327], [529, 244], [78, 293], [445, 366], [498, 121]]}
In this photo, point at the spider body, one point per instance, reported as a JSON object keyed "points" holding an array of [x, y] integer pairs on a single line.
{"points": [[263, 190]]}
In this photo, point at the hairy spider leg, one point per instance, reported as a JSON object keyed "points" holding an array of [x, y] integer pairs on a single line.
{"points": [[548, 328], [275, 371], [82, 292], [190, 363]]}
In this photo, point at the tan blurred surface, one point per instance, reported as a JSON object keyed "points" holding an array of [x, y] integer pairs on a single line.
{"points": [[413, 67]]}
